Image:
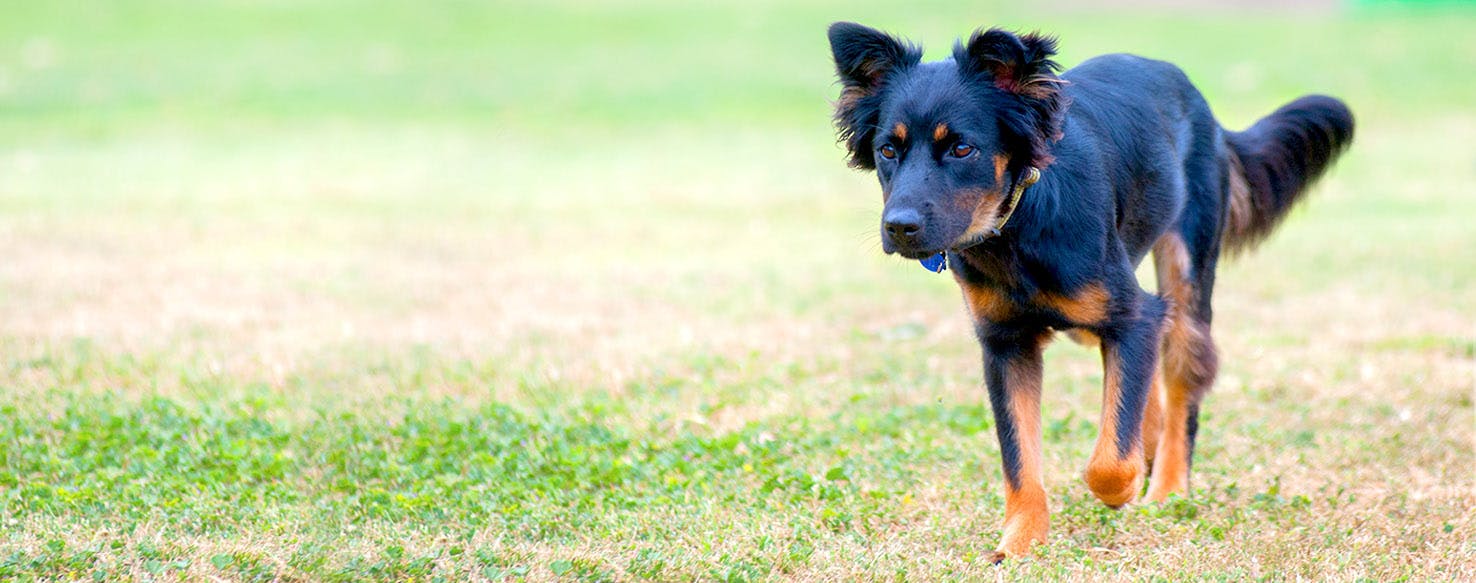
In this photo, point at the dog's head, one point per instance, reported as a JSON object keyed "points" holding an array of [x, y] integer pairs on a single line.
{"points": [[946, 138]]}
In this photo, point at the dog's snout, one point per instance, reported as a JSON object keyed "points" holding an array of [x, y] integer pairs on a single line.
{"points": [[904, 226]]}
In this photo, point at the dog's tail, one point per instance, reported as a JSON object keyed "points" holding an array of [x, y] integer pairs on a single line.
{"points": [[1272, 163]]}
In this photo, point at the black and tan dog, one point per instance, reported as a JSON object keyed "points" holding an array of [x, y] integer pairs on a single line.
{"points": [[1043, 193]]}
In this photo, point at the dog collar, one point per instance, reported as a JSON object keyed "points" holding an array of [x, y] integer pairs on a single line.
{"points": [[939, 262]]}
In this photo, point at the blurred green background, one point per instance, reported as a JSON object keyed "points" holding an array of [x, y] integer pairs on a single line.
{"points": [[100, 67]]}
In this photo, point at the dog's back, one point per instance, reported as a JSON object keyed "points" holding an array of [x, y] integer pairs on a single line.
{"points": [[1148, 132], [1156, 129]]}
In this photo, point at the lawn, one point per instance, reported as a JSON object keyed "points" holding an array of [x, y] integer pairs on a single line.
{"points": [[331, 290]]}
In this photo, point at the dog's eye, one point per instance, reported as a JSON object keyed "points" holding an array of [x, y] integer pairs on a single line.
{"points": [[887, 151], [961, 150]]}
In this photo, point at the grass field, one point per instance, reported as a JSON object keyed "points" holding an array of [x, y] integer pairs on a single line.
{"points": [[323, 290]]}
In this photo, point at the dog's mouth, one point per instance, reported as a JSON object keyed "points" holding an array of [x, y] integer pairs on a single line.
{"points": [[918, 253], [973, 238], [963, 242], [974, 220], [970, 237]]}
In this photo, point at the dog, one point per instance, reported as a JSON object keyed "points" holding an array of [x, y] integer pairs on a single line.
{"points": [[1042, 191]]}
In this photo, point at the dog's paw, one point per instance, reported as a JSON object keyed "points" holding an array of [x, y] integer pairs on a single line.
{"points": [[1162, 487], [1116, 482], [1023, 531]]}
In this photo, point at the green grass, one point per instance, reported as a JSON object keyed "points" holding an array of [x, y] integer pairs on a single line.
{"points": [[332, 291]]}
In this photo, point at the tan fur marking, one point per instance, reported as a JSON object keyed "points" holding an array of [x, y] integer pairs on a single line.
{"points": [[986, 209], [1183, 335], [1027, 520], [984, 302], [1170, 464], [1115, 480], [1041, 86], [1027, 514], [1083, 337], [1153, 420], [1087, 307], [940, 132], [984, 204], [900, 130], [1171, 261], [1188, 366], [1241, 211], [848, 98]]}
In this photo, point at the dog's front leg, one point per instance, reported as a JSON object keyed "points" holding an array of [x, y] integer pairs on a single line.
{"points": [[1129, 360], [1012, 373]]}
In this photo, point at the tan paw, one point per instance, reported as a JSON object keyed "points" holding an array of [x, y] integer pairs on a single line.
{"points": [[1116, 482]]}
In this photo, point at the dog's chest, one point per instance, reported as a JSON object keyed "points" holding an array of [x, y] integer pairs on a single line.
{"points": [[1085, 307]]}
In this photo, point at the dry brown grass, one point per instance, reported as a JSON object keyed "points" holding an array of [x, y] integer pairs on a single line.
{"points": [[1367, 372]]}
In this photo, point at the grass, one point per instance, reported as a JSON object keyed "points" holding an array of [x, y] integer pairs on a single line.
{"points": [[315, 291]]}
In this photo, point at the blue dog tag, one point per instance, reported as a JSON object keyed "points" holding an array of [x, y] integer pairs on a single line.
{"points": [[936, 263]]}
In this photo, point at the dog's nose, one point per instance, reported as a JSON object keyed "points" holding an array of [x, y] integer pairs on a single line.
{"points": [[904, 226]]}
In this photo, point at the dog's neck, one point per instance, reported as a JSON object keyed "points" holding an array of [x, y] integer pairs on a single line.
{"points": [[993, 234], [999, 258], [1027, 177]]}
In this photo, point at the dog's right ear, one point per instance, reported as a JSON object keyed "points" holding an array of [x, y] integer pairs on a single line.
{"points": [[864, 58]]}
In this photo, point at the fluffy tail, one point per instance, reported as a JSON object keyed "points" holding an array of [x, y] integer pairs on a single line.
{"points": [[1275, 161]]}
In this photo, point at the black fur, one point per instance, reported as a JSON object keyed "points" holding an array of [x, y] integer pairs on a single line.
{"points": [[1283, 154], [864, 60], [1130, 157], [1021, 66], [1003, 354]]}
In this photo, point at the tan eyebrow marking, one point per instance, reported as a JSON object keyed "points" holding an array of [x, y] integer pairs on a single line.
{"points": [[900, 130], [940, 132]]}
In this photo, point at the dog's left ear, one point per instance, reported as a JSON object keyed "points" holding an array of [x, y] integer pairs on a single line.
{"points": [[1021, 66]]}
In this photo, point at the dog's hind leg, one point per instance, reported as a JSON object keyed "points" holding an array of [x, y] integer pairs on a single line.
{"points": [[1189, 358], [1153, 420]]}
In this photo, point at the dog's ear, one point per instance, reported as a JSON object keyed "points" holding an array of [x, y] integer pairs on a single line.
{"points": [[864, 58], [1021, 66]]}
